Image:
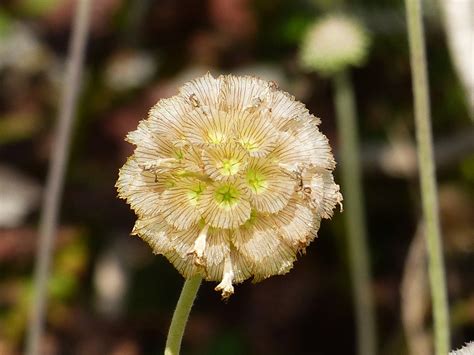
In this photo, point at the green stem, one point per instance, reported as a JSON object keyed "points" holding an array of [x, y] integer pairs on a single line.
{"points": [[354, 216], [427, 176], [181, 314]]}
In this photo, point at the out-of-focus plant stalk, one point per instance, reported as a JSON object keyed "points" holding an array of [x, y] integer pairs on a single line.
{"points": [[427, 176], [354, 215], [181, 315], [54, 183]]}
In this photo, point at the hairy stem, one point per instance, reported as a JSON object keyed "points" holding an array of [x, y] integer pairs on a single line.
{"points": [[354, 215], [181, 314], [427, 176], [54, 183]]}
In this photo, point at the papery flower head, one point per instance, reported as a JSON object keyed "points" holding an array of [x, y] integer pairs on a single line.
{"points": [[334, 43], [229, 179]]}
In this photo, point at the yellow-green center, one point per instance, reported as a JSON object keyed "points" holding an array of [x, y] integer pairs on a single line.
{"points": [[229, 167], [227, 195], [256, 180], [195, 191], [216, 137], [249, 144], [179, 154], [251, 221]]}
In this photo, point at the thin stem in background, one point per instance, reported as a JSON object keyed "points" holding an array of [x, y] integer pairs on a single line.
{"points": [[181, 315], [355, 216], [427, 176], [54, 183]]}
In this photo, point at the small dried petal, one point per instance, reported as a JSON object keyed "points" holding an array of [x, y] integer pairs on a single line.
{"points": [[225, 285], [200, 246]]}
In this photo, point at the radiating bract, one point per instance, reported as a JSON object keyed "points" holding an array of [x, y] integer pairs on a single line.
{"points": [[229, 179]]}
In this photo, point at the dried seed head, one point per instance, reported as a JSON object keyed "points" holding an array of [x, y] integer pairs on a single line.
{"points": [[229, 179], [333, 43]]}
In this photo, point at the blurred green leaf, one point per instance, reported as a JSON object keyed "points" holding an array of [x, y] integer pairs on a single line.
{"points": [[228, 343], [5, 23], [18, 126], [62, 286], [38, 7], [467, 168], [295, 27]]}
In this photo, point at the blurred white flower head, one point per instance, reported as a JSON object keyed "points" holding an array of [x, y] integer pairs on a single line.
{"points": [[129, 69], [333, 43], [21, 49], [229, 179]]}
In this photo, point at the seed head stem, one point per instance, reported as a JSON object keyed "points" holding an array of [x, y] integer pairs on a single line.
{"points": [[181, 315], [356, 228]]}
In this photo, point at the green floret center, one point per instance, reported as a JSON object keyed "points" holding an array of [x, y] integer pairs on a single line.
{"points": [[216, 137], [230, 167], [179, 154], [227, 195], [256, 180], [195, 191], [251, 221], [249, 144]]}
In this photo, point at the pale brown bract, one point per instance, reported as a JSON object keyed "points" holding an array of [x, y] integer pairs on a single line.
{"points": [[229, 179]]}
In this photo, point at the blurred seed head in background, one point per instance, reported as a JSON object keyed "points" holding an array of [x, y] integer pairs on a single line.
{"points": [[333, 43]]}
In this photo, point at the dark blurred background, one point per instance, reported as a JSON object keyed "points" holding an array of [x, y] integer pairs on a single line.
{"points": [[108, 294]]}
